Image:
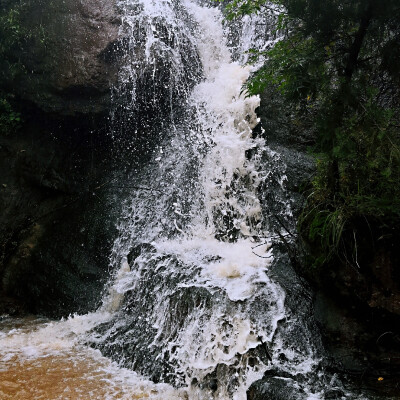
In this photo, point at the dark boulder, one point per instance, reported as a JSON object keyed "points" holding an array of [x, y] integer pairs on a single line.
{"points": [[65, 68], [57, 221], [276, 388]]}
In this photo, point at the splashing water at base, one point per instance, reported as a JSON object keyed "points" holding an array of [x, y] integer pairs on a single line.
{"points": [[47, 360]]}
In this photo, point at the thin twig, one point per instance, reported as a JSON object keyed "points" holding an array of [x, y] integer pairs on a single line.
{"points": [[383, 334], [283, 225]]}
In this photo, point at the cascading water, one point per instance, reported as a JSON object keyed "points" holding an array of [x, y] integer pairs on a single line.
{"points": [[193, 302], [199, 299]]}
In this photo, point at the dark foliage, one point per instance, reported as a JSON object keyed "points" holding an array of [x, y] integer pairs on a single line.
{"points": [[336, 68]]}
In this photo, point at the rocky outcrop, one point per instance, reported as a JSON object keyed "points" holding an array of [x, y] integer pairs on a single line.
{"points": [[356, 307], [58, 179], [57, 219], [56, 224], [68, 68]]}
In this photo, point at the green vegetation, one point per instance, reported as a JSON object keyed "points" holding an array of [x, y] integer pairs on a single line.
{"points": [[9, 118], [16, 40], [337, 70], [13, 35]]}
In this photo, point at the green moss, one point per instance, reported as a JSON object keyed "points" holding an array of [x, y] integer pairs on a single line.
{"points": [[10, 119]]}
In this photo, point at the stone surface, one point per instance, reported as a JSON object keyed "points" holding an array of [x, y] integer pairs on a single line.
{"points": [[67, 69], [56, 224], [276, 388], [356, 308]]}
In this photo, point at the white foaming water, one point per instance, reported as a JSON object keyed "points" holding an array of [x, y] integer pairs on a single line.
{"points": [[227, 117], [236, 267]]}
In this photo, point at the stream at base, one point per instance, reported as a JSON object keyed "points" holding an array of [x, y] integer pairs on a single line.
{"points": [[46, 360]]}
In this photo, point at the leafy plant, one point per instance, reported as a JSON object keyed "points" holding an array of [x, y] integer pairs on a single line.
{"points": [[335, 67], [16, 38]]}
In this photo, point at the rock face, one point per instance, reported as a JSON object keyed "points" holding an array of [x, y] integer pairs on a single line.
{"points": [[56, 221], [356, 309], [276, 388], [68, 66], [58, 179], [56, 224]]}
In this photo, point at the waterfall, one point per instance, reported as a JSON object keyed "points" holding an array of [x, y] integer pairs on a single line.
{"points": [[201, 302], [192, 300]]}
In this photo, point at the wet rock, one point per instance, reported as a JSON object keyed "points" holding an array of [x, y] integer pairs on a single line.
{"points": [[56, 224], [290, 154], [136, 251], [354, 303], [334, 394], [10, 307], [275, 388], [213, 384], [58, 172], [66, 71], [55, 171]]}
